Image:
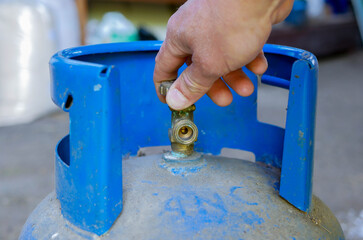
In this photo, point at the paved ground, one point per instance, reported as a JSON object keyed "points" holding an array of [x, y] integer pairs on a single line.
{"points": [[26, 151], [339, 147]]}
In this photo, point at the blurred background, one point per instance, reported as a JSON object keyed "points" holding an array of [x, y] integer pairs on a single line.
{"points": [[31, 31]]}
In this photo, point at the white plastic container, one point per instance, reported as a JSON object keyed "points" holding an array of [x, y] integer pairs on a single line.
{"points": [[66, 22], [27, 41]]}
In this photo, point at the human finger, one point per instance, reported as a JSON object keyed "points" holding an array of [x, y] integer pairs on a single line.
{"points": [[188, 88], [167, 62], [239, 82], [220, 93], [258, 65]]}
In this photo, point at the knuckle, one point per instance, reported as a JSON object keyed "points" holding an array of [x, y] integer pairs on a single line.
{"points": [[171, 26]]}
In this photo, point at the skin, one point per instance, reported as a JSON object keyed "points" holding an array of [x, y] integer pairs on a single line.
{"points": [[216, 38]]}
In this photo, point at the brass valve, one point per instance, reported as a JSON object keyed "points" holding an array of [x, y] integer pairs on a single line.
{"points": [[183, 132]]}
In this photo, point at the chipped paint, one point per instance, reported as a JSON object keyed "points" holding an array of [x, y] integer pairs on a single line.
{"points": [[97, 87]]}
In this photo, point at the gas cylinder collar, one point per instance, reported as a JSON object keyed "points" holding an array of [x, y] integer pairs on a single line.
{"points": [[183, 132]]}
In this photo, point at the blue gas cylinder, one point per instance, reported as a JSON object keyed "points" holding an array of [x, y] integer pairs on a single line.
{"points": [[104, 191]]}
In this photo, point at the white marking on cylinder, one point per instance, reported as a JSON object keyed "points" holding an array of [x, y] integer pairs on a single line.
{"points": [[97, 87]]}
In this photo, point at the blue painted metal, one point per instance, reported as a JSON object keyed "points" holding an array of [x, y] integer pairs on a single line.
{"points": [[88, 163], [115, 111], [297, 165]]}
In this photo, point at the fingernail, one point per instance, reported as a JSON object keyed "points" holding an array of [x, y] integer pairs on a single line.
{"points": [[176, 99]]}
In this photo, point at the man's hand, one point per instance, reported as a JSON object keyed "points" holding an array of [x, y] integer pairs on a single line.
{"points": [[216, 38]]}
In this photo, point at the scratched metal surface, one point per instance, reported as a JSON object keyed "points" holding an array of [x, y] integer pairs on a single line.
{"points": [[223, 198]]}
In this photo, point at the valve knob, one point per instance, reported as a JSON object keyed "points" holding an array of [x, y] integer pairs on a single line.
{"points": [[164, 87]]}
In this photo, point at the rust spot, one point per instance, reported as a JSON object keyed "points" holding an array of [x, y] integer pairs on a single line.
{"points": [[301, 140]]}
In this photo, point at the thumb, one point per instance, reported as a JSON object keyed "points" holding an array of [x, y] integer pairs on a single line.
{"points": [[188, 88]]}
